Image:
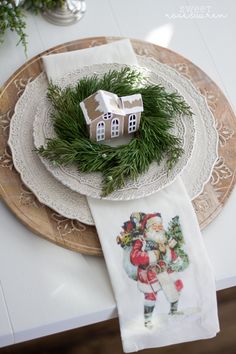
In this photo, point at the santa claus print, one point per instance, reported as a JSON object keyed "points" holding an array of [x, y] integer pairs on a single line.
{"points": [[152, 257]]}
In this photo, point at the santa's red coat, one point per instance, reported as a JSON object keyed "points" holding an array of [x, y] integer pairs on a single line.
{"points": [[147, 276]]}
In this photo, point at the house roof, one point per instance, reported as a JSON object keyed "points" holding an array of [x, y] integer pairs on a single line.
{"points": [[99, 103], [132, 103], [102, 102]]}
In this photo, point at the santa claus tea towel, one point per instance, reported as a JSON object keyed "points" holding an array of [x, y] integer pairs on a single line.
{"points": [[159, 269]]}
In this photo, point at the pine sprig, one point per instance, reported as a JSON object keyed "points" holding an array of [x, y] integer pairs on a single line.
{"points": [[40, 5], [174, 231], [152, 142], [12, 18]]}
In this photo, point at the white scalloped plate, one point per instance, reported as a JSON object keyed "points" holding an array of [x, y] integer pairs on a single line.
{"points": [[90, 184], [73, 205], [33, 173]]}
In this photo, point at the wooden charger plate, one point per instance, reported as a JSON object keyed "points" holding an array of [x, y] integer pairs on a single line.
{"points": [[71, 233]]}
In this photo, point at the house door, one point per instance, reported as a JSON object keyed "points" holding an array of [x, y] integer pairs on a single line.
{"points": [[132, 124], [115, 127], [100, 133]]}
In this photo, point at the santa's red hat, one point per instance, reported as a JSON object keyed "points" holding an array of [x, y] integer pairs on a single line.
{"points": [[151, 219]]}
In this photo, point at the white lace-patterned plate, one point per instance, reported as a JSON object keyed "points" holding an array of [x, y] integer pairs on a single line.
{"points": [[205, 150], [72, 205], [33, 173], [90, 184]]}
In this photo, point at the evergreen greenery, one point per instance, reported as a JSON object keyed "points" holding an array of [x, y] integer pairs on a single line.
{"points": [[12, 17], [152, 142], [40, 5], [175, 232]]}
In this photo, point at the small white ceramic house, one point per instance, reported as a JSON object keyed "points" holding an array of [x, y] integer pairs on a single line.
{"points": [[109, 116]]}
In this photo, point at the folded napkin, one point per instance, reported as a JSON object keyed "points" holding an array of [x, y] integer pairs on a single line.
{"points": [[163, 297], [121, 52], [159, 269]]}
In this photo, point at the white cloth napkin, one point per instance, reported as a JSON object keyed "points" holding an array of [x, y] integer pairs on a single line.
{"points": [[121, 52], [165, 294], [193, 290]]}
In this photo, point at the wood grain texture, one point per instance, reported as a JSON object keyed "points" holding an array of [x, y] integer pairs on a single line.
{"points": [[73, 234]]}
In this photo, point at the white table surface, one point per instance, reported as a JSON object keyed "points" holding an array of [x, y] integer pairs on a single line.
{"points": [[46, 289]]}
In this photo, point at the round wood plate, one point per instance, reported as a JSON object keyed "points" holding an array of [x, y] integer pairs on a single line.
{"points": [[71, 233]]}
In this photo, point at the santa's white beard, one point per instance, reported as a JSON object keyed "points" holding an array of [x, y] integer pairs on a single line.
{"points": [[157, 236]]}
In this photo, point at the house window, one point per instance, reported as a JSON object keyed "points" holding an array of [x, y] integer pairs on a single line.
{"points": [[132, 123], [100, 134], [107, 115], [115, 127]]}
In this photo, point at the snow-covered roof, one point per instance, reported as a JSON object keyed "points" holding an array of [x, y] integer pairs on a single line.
{"points": [[102, 102], [132, 104], [99, 103]]}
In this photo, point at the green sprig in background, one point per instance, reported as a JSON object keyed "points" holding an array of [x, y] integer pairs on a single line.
{"points": [[12, 17]]}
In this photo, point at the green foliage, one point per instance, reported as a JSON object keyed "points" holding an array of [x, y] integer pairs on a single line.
{"points": [[12, 17], [152, 142], [127, 240], [39, 5], [184, 261], [175, 232]]}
